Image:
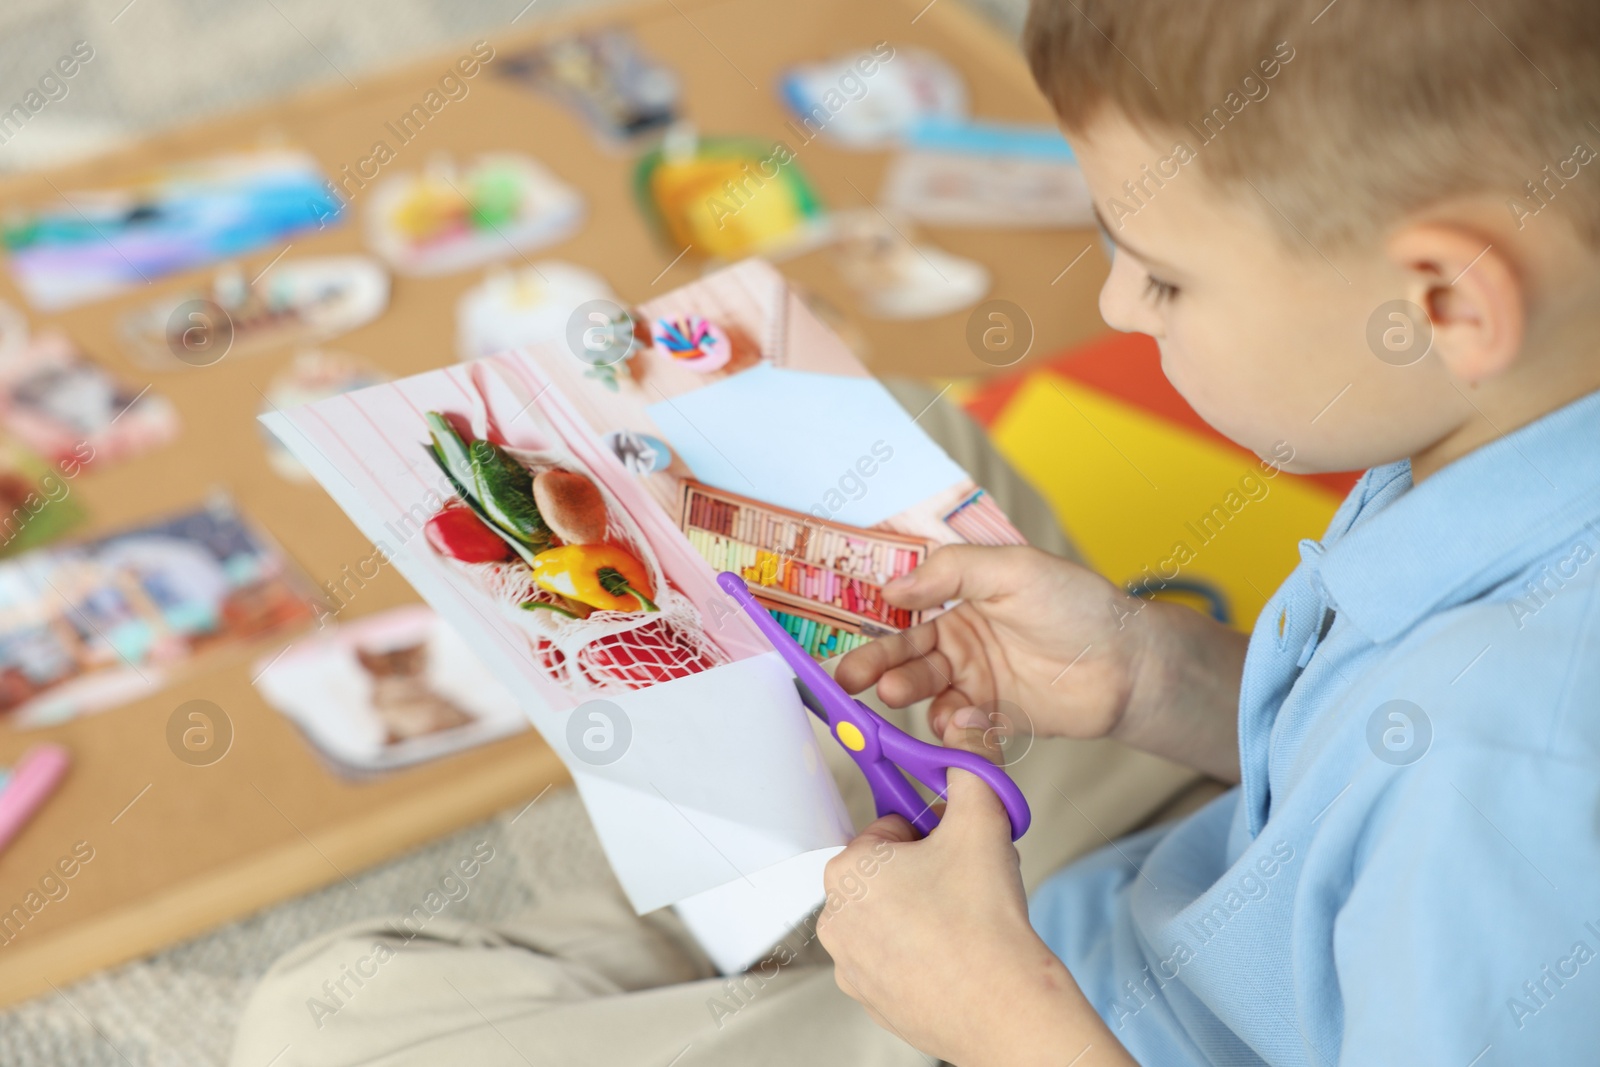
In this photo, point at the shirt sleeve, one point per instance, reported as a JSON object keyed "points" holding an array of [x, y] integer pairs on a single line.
{"points": [[1471, 933]]}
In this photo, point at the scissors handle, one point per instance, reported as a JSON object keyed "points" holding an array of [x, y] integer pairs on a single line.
{"points": [[929, 764], [880, 748]]}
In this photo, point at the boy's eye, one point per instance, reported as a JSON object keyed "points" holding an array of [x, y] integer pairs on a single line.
{"points": [[1157, 291]]}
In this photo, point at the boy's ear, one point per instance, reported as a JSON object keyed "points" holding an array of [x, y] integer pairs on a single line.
{"points": [[1471, 292]]}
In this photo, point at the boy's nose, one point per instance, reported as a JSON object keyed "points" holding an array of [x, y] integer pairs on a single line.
{"points": [[1122, 303]]}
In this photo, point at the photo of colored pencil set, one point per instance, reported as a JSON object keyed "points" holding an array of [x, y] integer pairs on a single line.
{"points": [[822, 580], [979, 521]]}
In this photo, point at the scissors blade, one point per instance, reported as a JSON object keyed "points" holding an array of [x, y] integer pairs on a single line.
{"points": [[823, 689], [810, 700]]}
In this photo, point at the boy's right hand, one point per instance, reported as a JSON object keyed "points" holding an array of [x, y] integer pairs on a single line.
{"points": [[1077, 655], [1031, 629]]}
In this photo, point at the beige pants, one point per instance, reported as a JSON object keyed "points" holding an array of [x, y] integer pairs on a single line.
{"points": [[580, 981]]}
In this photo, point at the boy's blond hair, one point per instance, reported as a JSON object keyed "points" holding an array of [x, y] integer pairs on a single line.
{"points": [[1343, 117]]}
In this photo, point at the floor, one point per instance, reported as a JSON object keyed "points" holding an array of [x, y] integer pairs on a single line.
{"points": [[158, 63]]}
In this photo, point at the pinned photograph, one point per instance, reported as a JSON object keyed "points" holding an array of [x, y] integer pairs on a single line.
{"points": [[872, 98], [92, 625], [295, 301], [619, 90], [988, 174], [36, 501], [897, 276], [452, 217], [524, 305], [99, 242], [387, 691], [67, 407], [726, 198]]}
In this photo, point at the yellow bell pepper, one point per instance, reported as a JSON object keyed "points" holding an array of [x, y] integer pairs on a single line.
{"points": [[601, 576]]}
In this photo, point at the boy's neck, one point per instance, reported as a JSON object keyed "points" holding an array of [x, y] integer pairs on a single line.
{"points": [[1468, 437], [1499, 409]]}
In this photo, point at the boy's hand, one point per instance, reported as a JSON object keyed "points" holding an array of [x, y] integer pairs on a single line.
{"points": [[1047, 635], [1077, 655], [935, 941]]}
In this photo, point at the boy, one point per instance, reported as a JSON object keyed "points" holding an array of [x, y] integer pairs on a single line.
{"points": [[576, 977], [1364, 236]]}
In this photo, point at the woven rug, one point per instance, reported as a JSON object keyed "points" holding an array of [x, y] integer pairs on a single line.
{"points": [[180, 1006]]}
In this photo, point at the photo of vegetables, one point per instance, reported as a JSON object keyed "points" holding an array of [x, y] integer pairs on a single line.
{"points": [[539, 534]]}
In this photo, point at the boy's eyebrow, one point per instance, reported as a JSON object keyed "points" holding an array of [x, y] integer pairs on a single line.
{"points": [[1149, 261]]}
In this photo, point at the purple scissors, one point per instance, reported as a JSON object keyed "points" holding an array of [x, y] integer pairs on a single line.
{"points": [[877, 745]]}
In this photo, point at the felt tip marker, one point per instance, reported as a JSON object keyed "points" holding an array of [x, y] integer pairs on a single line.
{"points": [[32, 780]]}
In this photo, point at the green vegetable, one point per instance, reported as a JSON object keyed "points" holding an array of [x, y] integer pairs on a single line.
{"points": [[532, 605], [450, 450], [615, 582], [467, 498], [505, 489], [455, 459]]}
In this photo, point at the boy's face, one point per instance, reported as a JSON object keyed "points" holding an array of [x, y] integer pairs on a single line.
{"points": [[1267, 338]]}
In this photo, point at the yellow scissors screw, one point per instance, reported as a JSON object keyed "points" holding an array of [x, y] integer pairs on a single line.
{"points": [[850, 736]]}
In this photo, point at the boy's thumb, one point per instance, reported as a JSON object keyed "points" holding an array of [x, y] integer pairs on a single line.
{"points": [[890, 828], [969, 798]]}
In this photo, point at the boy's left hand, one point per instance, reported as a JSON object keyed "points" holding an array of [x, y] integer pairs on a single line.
{"points": [[932, 936]]}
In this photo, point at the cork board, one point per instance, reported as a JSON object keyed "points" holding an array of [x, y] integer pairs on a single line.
{"points": [[178, 848]]}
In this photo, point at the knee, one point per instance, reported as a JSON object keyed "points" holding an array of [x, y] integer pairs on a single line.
{"points": [[289, 1012]]}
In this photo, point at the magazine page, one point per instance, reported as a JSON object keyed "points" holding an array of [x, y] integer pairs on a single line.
{"points": [[568, 515], [690, 745]]}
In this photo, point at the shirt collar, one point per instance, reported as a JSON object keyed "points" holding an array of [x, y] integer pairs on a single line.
{"points": [[1412, 550]]}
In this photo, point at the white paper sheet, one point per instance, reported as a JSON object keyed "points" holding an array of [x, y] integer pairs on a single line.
{"points": [[737, 923], [722, 781]]}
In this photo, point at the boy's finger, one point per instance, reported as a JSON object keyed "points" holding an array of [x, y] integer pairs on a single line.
{"points": [[970, 800], [974, 730], [964, 572], [945, 705], [860, 668], [915, 680]]}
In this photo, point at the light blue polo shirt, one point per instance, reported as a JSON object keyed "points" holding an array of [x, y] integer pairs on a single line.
{"points": [[1409, 872]]}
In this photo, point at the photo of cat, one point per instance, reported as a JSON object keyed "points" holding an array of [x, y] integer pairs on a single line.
{"points": [[401, 695], [388, 690]]}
